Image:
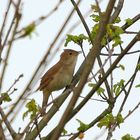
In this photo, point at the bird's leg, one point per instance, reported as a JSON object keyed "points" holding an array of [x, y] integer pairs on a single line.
{"points": [[55, 103]]}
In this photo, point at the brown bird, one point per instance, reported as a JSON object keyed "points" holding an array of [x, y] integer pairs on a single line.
{"points": [[60, 75]]}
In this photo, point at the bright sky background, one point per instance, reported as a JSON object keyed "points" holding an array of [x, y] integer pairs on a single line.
{"points": [[27, 53]]}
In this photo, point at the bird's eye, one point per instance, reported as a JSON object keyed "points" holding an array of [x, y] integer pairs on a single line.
{"points": [[70, 53]]}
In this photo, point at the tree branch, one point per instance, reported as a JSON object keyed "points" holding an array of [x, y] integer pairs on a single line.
{"points": [[8, 125], [88, 65]]}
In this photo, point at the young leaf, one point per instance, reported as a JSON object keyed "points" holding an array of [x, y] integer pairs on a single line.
{"points": [[118, 19], [82, 126], [129, 21], [5, 97], [138, 67], [122, 67], [119, 119], [94, 31], [95, 8], [127, 137], [76, 39], [107, 121], [114, 32], [117, 87], [91, 84], [32, 109], [29, 30], [100, 89], [64, 132], [137, 86], [95, 18]]}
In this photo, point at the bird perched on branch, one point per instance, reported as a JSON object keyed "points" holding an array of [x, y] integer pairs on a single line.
{"points": [[60, 75]]}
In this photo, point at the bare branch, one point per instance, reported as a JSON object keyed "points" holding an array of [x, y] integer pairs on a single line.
{"points": [[21, 33], [89, 64], [20, 76], [117, 11], [9, 127], [4, 22], [16, 18], [112, 128], [132, 111], [2, 135], [116, 54]]}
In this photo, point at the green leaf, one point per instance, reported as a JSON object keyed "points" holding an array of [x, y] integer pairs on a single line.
{"points": [[114, 32], [117, 41], [127, 137], [122, 67], [118, 19], [76, 39], [99, 91], [95, 18], [83, 126], [32, 109], [91, 84], [27, 31], [30, 28], [95, 8], [129, 21], [5, 97], [138, 67], [107, 121], [117, 87], [104, 41], [94, 31], [119, 119], [118, 30], [137, 86], [64, 132]]}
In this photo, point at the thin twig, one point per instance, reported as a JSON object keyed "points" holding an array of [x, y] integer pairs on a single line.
{"points": [[5, 17], [94, 99], [110, 51], [21, 33], [113, 127], [132, 111], [93, 75], [130, 32], [3, 26], [117, 11], [116, 54], [134, 19], [36, 123], [16, 18], [8, 125], [2, 135], [97, 119], [99, 9], [20, 76]]}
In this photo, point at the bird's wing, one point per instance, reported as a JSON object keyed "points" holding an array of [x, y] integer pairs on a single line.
{"points": [[49, 76]]}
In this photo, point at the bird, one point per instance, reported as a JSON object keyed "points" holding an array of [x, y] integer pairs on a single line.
{"points": [[60, 75]]}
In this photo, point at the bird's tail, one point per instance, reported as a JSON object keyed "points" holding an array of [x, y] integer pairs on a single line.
{"points": [[44, 102]]}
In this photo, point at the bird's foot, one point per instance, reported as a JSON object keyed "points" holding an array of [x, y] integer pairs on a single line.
{"points": [[42, 111]]}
